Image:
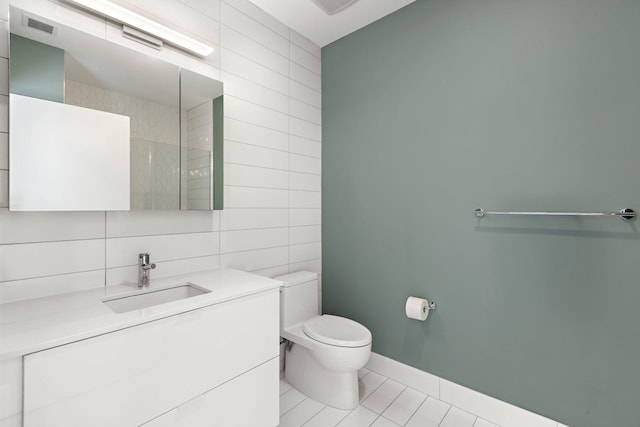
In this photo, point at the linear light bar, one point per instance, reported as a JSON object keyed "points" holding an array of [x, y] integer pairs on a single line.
{"points": [[125, 16]]}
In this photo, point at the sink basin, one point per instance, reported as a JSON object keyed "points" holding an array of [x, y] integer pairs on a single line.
{"points": [[151, 297]]}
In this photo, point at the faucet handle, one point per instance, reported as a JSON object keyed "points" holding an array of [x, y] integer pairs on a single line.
{"points": [[143, 259]]}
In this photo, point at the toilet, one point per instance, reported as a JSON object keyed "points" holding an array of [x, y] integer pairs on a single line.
{"points": [[326, 351]]}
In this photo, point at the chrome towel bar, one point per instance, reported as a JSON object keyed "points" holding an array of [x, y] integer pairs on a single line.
{"points": [[625, 214]]}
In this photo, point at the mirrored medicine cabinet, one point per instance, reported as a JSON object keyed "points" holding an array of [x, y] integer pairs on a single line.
{"points": [[170, 156]]}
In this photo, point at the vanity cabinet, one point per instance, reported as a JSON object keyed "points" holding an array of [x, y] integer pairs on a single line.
{"points": [[238, 403], [216, 365]]}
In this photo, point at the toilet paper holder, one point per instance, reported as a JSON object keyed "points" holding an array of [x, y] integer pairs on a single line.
{"points": [[431, 305]]}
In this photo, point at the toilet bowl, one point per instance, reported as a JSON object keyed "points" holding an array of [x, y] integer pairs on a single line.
{"points": [[326, 351]]}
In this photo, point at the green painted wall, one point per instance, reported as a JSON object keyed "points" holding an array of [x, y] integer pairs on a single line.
{"points": [[450, 105], [36, 69]]}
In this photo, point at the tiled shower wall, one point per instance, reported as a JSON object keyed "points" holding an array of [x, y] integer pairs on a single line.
{"points": [[199, 137], [155, 134], [271, 221]]}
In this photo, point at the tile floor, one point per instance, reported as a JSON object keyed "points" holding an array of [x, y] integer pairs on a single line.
{"points": [[384, 403]]}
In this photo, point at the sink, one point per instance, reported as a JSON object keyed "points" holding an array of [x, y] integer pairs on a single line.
{"points": [[151, 297]]}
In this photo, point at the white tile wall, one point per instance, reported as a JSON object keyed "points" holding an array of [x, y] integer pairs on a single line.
{"points": [[253, 92], [254, 71], [305, 146], [271, 222], [33, 227], [30, 260], [252, 155], [251, 197], [243, 219], [249, 133]]}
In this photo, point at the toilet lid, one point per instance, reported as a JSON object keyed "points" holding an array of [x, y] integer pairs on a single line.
{"points": [[338, 331]]}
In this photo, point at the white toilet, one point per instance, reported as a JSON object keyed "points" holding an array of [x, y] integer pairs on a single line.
{"points": [[327, 350]]}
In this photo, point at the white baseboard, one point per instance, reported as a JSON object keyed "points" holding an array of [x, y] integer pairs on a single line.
{"points": [[496, 411]]}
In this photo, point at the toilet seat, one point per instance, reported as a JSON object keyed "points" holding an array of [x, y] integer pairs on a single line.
{"points": [[337, 331]]}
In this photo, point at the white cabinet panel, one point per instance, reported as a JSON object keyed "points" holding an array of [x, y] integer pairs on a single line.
{"points": [[147, 370], [55, 179], [14, 421], [249, 400], [164, 420], [10, 390]]}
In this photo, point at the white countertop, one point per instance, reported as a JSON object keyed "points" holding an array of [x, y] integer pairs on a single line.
{"points": [[37, 324]]}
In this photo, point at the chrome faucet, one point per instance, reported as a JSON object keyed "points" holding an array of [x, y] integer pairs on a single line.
{"points": [[144, 266]]}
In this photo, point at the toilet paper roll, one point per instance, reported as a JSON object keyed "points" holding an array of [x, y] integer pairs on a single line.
{"points": [[417, 308]]}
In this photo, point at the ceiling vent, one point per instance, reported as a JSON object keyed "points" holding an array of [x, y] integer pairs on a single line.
{"points": [[38, 25], [333, 6]]}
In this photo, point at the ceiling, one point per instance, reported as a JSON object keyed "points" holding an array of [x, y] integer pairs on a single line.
{"points": [[305, 17]]}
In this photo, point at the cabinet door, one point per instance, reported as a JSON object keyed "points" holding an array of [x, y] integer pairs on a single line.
{"points": [[165, 420], [251, 400], [11, 392], [128, 377]]}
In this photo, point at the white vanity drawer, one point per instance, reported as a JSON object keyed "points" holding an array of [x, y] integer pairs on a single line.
{"points": [[11, 392], [251, 400], [131, 376]]}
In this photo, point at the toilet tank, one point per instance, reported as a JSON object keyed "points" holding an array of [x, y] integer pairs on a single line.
{"points": [[298, 298]]}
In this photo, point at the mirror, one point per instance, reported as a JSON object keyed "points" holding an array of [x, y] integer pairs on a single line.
{"points": [[175, 115], [201, 104]]}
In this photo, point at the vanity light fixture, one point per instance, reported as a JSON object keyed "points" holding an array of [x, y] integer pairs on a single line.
{"points": [[132, 19]]}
